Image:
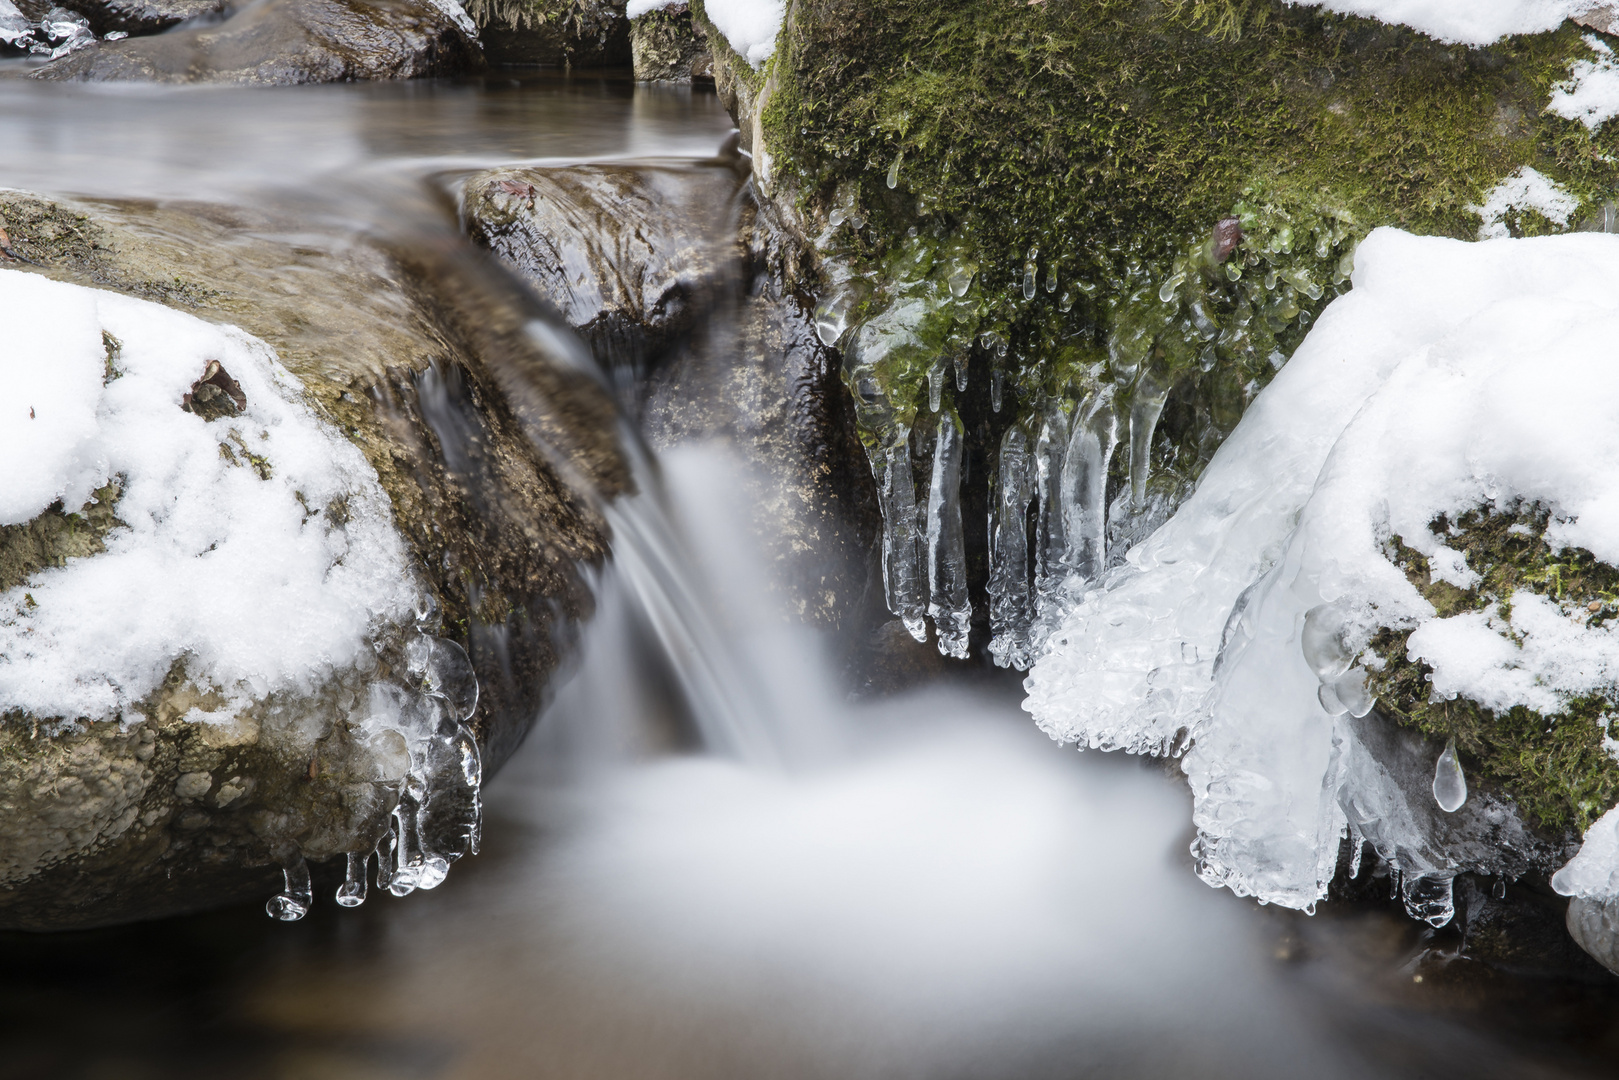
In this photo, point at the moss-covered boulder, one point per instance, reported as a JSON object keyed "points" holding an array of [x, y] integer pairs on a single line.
{"points": [[554, 33], [420, 360], [1125, 215], [667, 45]]}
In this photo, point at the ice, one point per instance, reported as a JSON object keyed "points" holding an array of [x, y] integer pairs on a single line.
{"points": [[353, 890], [1449, 784], [1467, 22], [1594, 872], [947, 558], [15, 27], [293, 901], [1084, 485], [1438, 385], [902, 575], [1010, 614], [1145, 409], [1050, 537]]}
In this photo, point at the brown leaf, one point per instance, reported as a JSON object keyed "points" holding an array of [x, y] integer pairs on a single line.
{"points": [[214, 395], [521, 188], [1227, 235]]}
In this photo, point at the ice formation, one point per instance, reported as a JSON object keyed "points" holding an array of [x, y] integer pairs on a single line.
{"points": [[1591, 94], [1466, 22], [1440, 384], [254, 545], [1526, 189]]}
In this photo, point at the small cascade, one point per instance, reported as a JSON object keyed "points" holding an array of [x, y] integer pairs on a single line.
{"points": [[948, 604], [1010, 611]]}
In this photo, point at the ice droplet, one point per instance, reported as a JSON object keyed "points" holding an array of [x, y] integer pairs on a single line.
{"points": [[1430, 899], [352, 892], [961, 279], [1051, 279], [1449, 783], [1329, 700], [1029, 272], [1322, 641], [296, 895], [1499, 890], [996, 379], [893, 173], [1350, 688]]}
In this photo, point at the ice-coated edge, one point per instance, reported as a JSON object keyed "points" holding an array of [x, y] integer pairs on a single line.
{"points": [[1439, 384]]}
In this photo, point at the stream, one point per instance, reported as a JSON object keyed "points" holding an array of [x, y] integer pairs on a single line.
{"points": [[710, 858]]}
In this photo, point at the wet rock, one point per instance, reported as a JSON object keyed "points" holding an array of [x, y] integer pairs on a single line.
{"points": [[626, 253], [469, 423], [286, 42], [139, 17], [668, 46], [547, 33]]}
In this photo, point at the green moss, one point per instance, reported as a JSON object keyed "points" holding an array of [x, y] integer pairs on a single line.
{"points": [[1554, 766], [56, 536], [1101, 143]]}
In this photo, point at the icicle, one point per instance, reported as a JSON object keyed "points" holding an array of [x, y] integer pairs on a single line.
{"points": [[1084, 486], [352, 892], [293, 901], [1449, 783], [996, 379], [893, 172], [1431, 899], [385, 856], [936, 383], [1051, 544], [947, 555], [1357, 846], [1145, 409], [961, 372], [1010, 614], [902, 574]]}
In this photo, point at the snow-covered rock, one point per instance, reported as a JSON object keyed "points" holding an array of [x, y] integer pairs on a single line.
{"points": [[1454, 378]]}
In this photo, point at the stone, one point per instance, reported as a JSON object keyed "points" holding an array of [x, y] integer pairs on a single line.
{"points": [[471, 426], [554, 33], [286, 42], [140, 17], [668, 46], [629, 254]]}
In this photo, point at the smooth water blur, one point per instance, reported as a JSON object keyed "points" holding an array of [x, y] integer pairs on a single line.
{"points": [[918, 886]]}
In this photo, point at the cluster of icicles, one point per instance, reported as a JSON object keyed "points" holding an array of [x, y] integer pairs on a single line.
{"points": [[1055, 461], [438, 815]]}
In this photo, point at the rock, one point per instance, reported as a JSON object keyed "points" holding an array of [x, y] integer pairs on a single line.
{"points": [[138, 17], [550, 33], [108, 818], [668, 46], [285, 42], [629, 254]]}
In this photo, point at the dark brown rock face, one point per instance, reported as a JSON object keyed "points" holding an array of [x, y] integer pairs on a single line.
{"points": [[286, 42]]}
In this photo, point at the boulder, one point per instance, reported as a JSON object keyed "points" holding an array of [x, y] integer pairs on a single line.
{"points": [[286, 42], [554, 33], [667, 45], [135, 17], [464, 457]]}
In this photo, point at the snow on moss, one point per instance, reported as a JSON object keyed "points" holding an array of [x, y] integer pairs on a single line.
{"points": [[1466, 22], [256, 546], [750, 26], [1454, 376], [1591, 94]]}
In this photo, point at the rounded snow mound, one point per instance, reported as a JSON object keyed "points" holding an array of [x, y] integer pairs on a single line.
{"points": [[248, 539]]}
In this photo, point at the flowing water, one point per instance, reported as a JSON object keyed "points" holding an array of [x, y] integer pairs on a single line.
{"points": [[708, 860]]}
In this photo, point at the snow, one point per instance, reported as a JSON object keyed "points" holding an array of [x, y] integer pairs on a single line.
{"points": [[1467, 22], [750, 26], [1594, 872], [1591, 94], [1439, 384], [249, 579], [1526, 189], [637, 8]]}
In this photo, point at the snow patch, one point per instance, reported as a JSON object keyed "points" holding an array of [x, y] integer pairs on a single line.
{"points": [[1439, 384], [637, 8], [750, 26], [1591, 94], [1467, 22], [258, 547], [1526, 189]]}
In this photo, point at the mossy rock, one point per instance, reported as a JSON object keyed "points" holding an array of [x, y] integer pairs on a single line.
{"points": [[420, 357], [1558, 767], [553, 33], [942, 163]]}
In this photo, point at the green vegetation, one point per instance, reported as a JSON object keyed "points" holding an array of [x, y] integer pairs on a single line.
{"points": [[1102, 142], [1555, 766]]}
